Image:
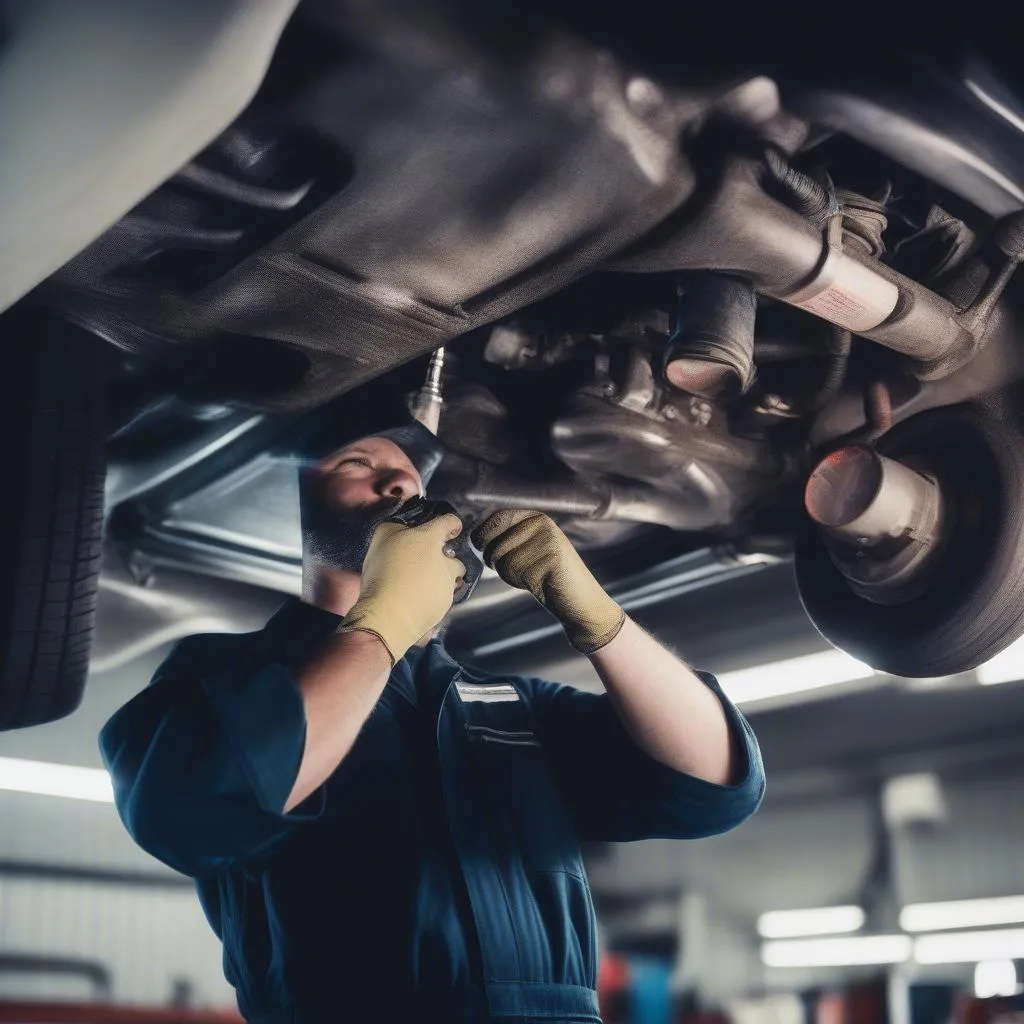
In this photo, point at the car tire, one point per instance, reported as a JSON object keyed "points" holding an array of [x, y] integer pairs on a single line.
{"points": [[973, 606], [51, 517]]}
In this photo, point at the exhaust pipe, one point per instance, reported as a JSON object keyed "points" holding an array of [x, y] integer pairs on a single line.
{"points": [[882, 520], [471, 485]]}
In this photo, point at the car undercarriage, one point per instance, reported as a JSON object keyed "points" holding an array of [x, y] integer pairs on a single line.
{"points": [[724, 297]]}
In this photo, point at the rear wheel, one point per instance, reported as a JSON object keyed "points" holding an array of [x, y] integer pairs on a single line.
{"points": [[972, 603], [51, 515]]}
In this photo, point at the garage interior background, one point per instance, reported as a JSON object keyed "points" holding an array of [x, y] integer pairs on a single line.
{"points": [[881, 880], [883, 794]]}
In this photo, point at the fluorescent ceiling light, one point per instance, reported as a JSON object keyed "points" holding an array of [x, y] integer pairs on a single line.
{"points": [[853, 951], [970, 947], [795, 675], [46, 779], [937, 917], [792, 924], [1007, 667], [995, 978]]}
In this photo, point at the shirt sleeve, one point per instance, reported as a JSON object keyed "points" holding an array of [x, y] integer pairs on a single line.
{"points": [[615, 792], [203, 760]]}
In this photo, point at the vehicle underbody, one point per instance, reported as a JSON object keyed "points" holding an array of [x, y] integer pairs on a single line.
{"points": [[750, 300]]}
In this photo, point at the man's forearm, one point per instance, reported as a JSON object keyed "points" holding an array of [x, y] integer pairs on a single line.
{"points": [[669, 712], [340, 687]]}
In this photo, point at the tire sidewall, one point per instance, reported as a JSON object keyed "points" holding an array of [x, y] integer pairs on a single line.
{"points": [[974, 602]]}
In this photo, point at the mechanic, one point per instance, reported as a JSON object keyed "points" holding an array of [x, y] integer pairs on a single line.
{"points": [[377, 834]]}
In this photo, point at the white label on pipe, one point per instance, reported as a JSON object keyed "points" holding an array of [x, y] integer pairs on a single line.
{"points": [[854, 297]]}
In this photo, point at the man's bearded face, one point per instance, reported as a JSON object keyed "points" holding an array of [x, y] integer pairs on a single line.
{"points": [[348, 495]]}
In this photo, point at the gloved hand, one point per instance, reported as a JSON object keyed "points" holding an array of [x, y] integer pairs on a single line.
{"points": [[529, 551], [408, 583]]}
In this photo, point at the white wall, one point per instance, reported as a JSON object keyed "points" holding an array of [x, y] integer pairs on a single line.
{"points": [[147, 937], [978, 851]]}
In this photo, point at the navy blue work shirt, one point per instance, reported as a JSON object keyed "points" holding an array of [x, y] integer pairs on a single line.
{"points": [[436, 875]]}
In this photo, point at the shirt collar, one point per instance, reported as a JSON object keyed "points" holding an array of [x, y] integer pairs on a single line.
{"points": [[297, 625]]}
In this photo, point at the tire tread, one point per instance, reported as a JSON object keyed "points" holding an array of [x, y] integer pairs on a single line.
{"points": [[57, 531]]}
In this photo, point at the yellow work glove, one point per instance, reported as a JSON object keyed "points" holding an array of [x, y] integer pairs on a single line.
{"points": [[408, 583], [529, 551]]}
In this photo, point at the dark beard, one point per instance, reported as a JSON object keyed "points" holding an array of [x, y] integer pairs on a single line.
{"points": [[338, 538]]}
